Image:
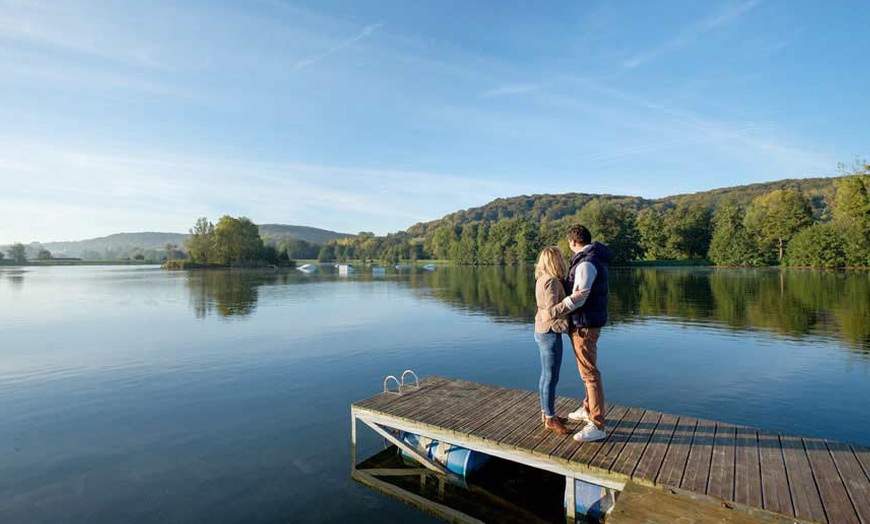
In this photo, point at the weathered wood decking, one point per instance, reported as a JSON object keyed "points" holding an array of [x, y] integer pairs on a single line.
{"points": [[802, 478]]}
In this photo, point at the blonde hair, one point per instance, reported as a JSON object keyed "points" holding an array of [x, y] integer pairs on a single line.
{"points": [[551, 263]]}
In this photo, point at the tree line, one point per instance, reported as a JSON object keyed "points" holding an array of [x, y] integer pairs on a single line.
{"points": [[827, 226]]}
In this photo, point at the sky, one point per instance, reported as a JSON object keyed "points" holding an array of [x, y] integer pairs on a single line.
{"points": [[120, 116]]}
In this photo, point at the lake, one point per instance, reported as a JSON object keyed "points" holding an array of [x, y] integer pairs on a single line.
{"points": [[132, 394]]}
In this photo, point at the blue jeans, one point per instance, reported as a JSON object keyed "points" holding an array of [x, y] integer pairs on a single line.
{"points": [[550, 345]]}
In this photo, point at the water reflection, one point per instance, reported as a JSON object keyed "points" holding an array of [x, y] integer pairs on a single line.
{"points": [[15, 277], [790, 303], [793, 303]]}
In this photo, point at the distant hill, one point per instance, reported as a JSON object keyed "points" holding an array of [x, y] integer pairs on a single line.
{"points": [[119, 242], [549, 207], [123, 243], [275, 233]]}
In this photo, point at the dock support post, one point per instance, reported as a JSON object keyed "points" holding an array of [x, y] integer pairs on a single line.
{"points": [[570, 503], [353, 438]]}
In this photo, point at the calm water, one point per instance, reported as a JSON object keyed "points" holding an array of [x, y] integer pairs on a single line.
{"points": [[137, 395]]}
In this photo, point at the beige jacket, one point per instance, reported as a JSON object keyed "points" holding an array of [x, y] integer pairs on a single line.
{"points": [[550, 296]]}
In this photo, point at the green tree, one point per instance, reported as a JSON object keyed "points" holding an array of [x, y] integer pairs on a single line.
{"points": [[17, 253], [731, 244], [44, 254], [774, 218], [820, 245], [527, 242], [201, 241], [442, 241], [651, 234], [688, 228], [612, 225], [327, 253], [465, 251], [852, 215], [236, 241]]}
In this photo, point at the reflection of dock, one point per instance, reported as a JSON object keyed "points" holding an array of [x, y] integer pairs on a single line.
{"points": [[712, 470], [434, 494]]}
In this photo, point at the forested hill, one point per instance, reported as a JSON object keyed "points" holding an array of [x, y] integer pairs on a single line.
{"points": [[546, 208], [276, 233], [803, 222]]}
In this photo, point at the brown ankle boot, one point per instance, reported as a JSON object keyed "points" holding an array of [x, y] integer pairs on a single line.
{"points": [[554, 424], [544, 418]]}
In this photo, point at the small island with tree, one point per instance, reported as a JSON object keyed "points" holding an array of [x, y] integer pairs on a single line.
{"points": [[232, 243]]}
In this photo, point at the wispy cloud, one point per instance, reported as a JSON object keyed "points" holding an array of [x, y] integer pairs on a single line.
{"points": [[79, 30], [693, 32], [512, 89], [365, 33], [39, 175]]}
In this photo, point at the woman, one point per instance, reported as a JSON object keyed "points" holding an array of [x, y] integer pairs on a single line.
{"points": [[550, 294]]}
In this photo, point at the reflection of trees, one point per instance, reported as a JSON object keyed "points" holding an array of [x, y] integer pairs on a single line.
{"points": [[507, 293], [789, 302], [231, 293], [14, 276], [668, 292]]}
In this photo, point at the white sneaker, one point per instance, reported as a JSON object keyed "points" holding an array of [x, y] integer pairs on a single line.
{"points": [[580, 414], [589, 433]]}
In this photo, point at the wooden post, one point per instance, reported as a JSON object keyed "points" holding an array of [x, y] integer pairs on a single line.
{"points": [[570, 503]]}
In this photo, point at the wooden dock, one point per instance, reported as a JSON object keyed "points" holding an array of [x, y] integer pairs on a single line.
{"points": [[757, 473]]}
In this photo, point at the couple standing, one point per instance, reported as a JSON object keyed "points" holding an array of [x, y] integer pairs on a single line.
{"points": [[580, 314]]}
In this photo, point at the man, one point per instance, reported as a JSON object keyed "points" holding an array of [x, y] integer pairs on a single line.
{"points": [[587, 282]]}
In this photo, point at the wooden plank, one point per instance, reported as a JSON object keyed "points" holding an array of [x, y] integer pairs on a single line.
{"points": [[525, 425], [804, 493], [587, 450], [500, 427], [697, 471], [464, 410], [747, 468], [654, 454], [863, 456], [721, 483], [617, 437], [636, 444], [674, 463], [417, 398], [497, 411], [568, 448], [381, 400], [481, 408], [445, 397], [774, 481], [638, 504], [538, 434], [856, 481], [835, 500]]}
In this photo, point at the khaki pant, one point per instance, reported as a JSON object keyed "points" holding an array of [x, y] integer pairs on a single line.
{"points": [[585, 343]]}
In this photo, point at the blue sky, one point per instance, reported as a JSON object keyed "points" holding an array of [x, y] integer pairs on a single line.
{"points": [[374, 115]]}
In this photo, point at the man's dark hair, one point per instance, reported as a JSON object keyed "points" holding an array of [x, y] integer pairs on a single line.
{"points": [[579, 234]]}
